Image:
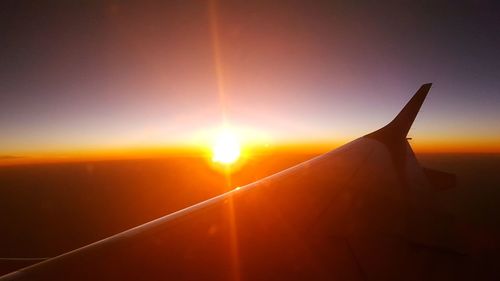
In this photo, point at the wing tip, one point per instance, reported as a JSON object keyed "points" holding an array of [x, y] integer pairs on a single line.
{"points": [[427, 85], [398, 128]]}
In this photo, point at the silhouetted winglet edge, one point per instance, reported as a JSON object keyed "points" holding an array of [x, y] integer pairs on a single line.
{"points": [[398, 128]]}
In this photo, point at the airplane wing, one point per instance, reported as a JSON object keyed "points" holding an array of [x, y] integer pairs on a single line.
{"points": [[363, 211]]}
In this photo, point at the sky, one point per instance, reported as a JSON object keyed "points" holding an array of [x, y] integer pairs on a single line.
{"points": [[109, 75]]}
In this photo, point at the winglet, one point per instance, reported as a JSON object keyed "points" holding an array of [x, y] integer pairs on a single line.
{"points": [[398, 128]]}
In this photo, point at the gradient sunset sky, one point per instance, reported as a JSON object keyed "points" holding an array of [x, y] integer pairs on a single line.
{"points": [[104, 75]]}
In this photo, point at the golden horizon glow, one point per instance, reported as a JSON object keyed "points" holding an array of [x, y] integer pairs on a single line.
{"points": [[250, 140], [226, 148]]}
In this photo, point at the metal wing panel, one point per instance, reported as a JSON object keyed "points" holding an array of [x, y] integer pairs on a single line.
{"points": [[260, 230]]}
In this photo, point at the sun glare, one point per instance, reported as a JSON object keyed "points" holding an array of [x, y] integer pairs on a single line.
{"points": [[226, 148]]}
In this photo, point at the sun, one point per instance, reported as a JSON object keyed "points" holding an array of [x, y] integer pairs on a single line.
{"points": [[226, 148]]}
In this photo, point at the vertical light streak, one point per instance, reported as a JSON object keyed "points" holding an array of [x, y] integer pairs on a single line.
{"points": [[233, 234], [219, 73], [216, 48]]}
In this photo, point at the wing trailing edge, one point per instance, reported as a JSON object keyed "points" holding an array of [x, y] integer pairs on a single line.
{"points": [[440, 180]]}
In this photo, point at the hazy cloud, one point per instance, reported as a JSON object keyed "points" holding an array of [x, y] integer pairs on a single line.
{"points": [[7, 157]]}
